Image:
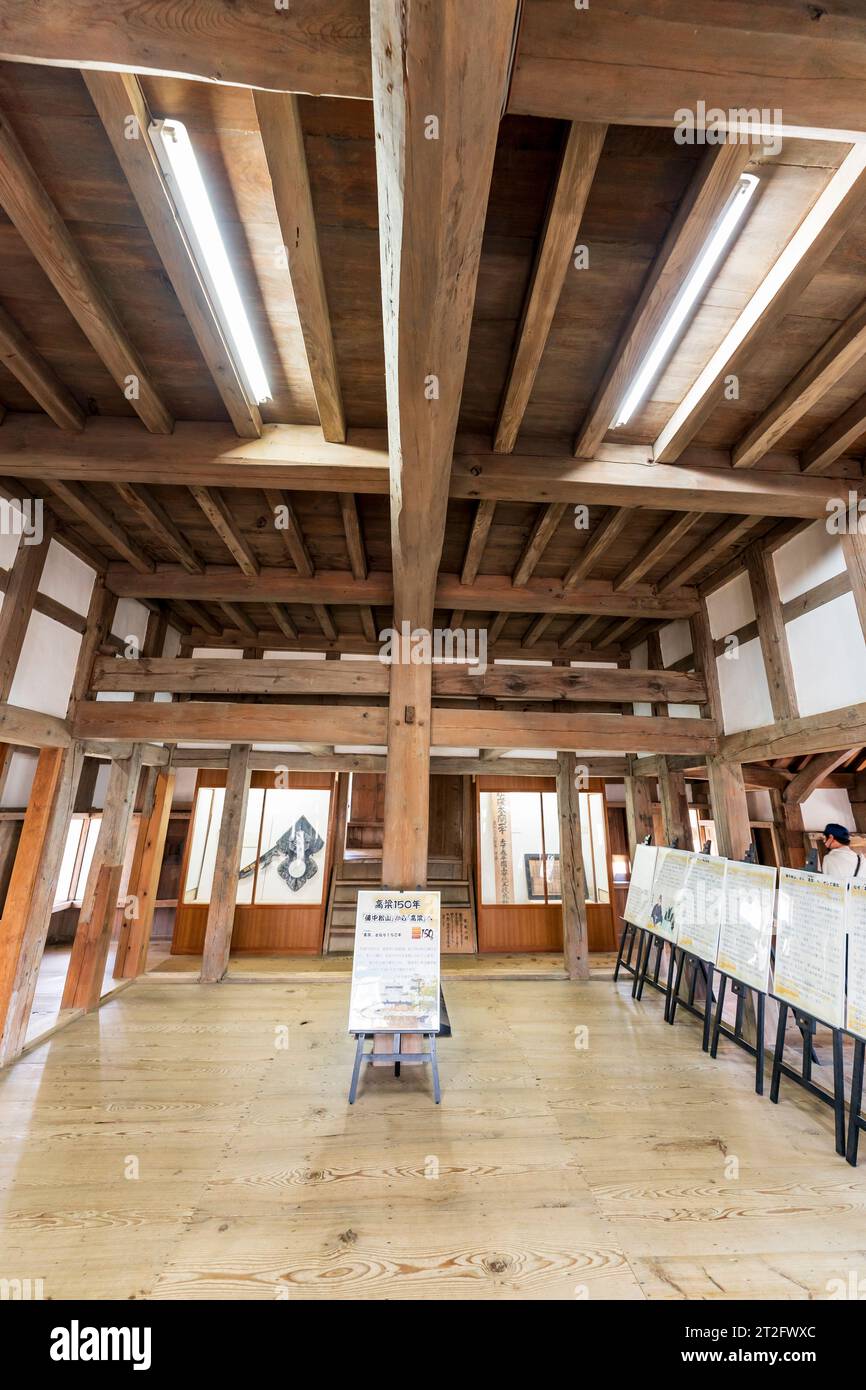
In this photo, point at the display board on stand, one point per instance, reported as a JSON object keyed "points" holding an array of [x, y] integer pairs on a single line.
{"points": [[395, 975]]}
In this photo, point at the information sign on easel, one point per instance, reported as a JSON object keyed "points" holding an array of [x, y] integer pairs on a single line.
{"points": [[395, 975], [809, 977]]}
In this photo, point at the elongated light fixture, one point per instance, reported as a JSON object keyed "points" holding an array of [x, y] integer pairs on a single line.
{"points": [[688, 296], [180, 167]]}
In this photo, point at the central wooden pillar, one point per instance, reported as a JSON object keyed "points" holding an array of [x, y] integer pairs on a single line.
{"points": [[224, 889], [407, 781], [575, 938], [440, 78]]}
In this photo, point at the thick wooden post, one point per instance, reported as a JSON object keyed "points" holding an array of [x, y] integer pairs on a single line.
{"points": [[18, 600], [706, 664], [729, 806], [638, 811], [99, 904], [575, 939], [788, 819], [224, 890], [135, 930], [407, 781], [30, 896], [675, 806], [440, 77], [771, 633]]}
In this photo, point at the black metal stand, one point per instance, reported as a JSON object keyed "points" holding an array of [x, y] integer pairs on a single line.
{"points": [[642, 975], [836, 1098], [735, 1034], [856, 1120], [396, 1057], [623, 958], [705, 969]]}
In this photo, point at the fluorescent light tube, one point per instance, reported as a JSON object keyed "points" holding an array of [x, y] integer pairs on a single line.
{"points": [[687, 298], [180, 167]]}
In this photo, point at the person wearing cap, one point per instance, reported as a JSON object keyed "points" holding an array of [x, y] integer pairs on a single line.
{"points": [[840, 860]]}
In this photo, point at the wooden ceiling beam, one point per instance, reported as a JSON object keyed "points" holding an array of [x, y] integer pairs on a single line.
{"points": [[106, 526], [197, 617], [18, 356], [297, 457], [117, 98], [669, 534], [824, 732], [325, 621], [842, 351], [812, 776], [837, 209], [361, 725], [705, 198], [642, 66], [492, 593], [546, 525], [604, 533], [283, 140], [283, 621], [304, 47], [836, 439], [354, 537], [239, 620], [574, 178], [290, 531], [481, 523], [47, 237], [222, 521], [221, 675], [154, 516], [704, 554]]}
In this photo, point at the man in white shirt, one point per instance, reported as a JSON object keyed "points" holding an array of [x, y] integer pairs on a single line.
{"points": [[840, 860]]}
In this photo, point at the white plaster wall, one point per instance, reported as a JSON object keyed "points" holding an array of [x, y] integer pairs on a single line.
{"points": [[808, 560], [828, 657], [67, 579], [744, 689], [46, 667], [19, 780], [675, 641], [8, 549], [130, 620], [731, 607], [827, 804], [760, 805]]}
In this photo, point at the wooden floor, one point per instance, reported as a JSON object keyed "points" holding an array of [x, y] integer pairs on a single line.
{"points": [[634, 1168]]}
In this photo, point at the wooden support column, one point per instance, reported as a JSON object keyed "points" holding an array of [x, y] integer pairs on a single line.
{"points": [[18, 600], [706, 664], [788, 819], [131, 957], [30, 896], [638, 811], [771, 632], [99, 905], [729, 807], [221, 912], [854, 551], [674, 804], [440, 75], [575, 939]]}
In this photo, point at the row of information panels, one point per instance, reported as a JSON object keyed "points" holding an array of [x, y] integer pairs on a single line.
{"points": [[731, 914]]}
